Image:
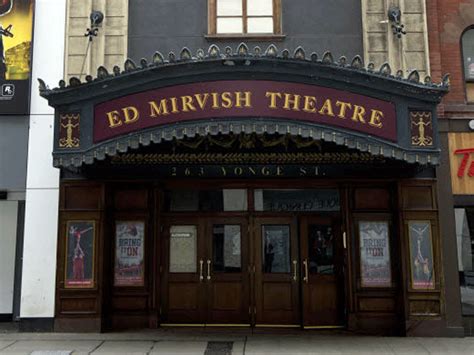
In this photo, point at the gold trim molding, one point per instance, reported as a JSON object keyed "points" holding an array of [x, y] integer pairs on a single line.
{"points": [[245, 158]]}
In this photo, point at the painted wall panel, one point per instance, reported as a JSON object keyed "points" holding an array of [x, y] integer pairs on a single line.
{"points": [[316, 25], [39, 253], [8, 219], [13, 152], [41, 173], [42, 194]]}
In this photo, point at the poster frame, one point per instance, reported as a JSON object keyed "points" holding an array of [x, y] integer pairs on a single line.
{"points": [[378, 219], [142, 282], [433, 285], [26, 95], [66, 253]]}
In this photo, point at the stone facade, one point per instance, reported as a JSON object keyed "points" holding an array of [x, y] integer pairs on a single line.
{"points": [[108, 48], [380, 44]]}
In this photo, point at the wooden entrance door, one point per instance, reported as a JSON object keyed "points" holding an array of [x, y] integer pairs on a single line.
{"points": [[322, 279], [205, 276], [184, 283], [276, 272], [227, 276]]}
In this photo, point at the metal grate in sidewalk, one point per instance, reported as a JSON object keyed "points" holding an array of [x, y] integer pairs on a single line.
{"points": [[219, 348]]}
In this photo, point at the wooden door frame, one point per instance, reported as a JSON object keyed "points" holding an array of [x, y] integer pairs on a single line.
{"points": [[165, 245], [257, 223], [341, 278], [245, 260]]}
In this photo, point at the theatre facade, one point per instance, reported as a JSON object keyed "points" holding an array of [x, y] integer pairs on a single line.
{"points": [[248, 188]]}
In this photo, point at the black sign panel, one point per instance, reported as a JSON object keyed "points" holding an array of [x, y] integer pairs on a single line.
{"points": [[16, 33]]}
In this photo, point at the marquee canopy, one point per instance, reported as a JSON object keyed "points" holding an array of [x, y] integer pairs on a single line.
{"points": [[243, 91]]}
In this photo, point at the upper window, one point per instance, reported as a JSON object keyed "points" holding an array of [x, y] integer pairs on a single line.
{"points": [[244, 17], [468, 59]]}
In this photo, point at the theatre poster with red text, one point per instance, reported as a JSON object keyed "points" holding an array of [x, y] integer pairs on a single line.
{"points": [[129, 253]]}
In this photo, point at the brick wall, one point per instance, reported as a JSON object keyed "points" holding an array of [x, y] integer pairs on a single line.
{"points": [[447, 20]]}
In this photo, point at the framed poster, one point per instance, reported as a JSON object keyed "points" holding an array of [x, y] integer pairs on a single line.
{"points": [[374, 244], [16, 33], [129, 253], [79, 270], [421, 255]]}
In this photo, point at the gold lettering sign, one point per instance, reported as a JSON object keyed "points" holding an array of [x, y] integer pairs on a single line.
{"points": [[246, 99], [243, 99]]}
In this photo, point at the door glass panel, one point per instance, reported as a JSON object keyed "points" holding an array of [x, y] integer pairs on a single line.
{"points": [[183, 249], [226, 248], [320, 249], [276, 248]]}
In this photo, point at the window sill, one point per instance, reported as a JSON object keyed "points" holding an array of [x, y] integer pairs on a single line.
{"points": [[249, 37]]}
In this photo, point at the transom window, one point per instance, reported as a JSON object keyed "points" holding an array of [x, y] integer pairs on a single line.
{"points": [[244, 17]]}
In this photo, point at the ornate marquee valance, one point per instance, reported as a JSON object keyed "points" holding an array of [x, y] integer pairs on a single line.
{"points": [[232, 93]]}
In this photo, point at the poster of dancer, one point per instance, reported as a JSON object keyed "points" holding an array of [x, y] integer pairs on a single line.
{"points": [[80, 254], [129, 253], [374, 244], [421, 255], [16, 33]]}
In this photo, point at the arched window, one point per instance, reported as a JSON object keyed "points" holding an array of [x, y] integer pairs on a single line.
{"points": [[467, 43]]}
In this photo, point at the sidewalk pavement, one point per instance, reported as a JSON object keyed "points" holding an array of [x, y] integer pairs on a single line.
{"points": [[224, 342]]}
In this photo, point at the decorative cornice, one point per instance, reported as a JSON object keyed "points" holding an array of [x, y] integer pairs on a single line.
{"points": [[243, 54], [245, 158]]}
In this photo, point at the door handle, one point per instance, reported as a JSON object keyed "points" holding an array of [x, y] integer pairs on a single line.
{"points": [[208, 269], [344, 240], [295, 270], [305, 263], [201, 277]]}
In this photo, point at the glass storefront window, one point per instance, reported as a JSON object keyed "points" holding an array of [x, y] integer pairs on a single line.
{"points": [[465, 243]]}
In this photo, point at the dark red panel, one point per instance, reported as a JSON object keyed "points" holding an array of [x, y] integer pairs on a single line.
{"points": [[243, 99]]}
